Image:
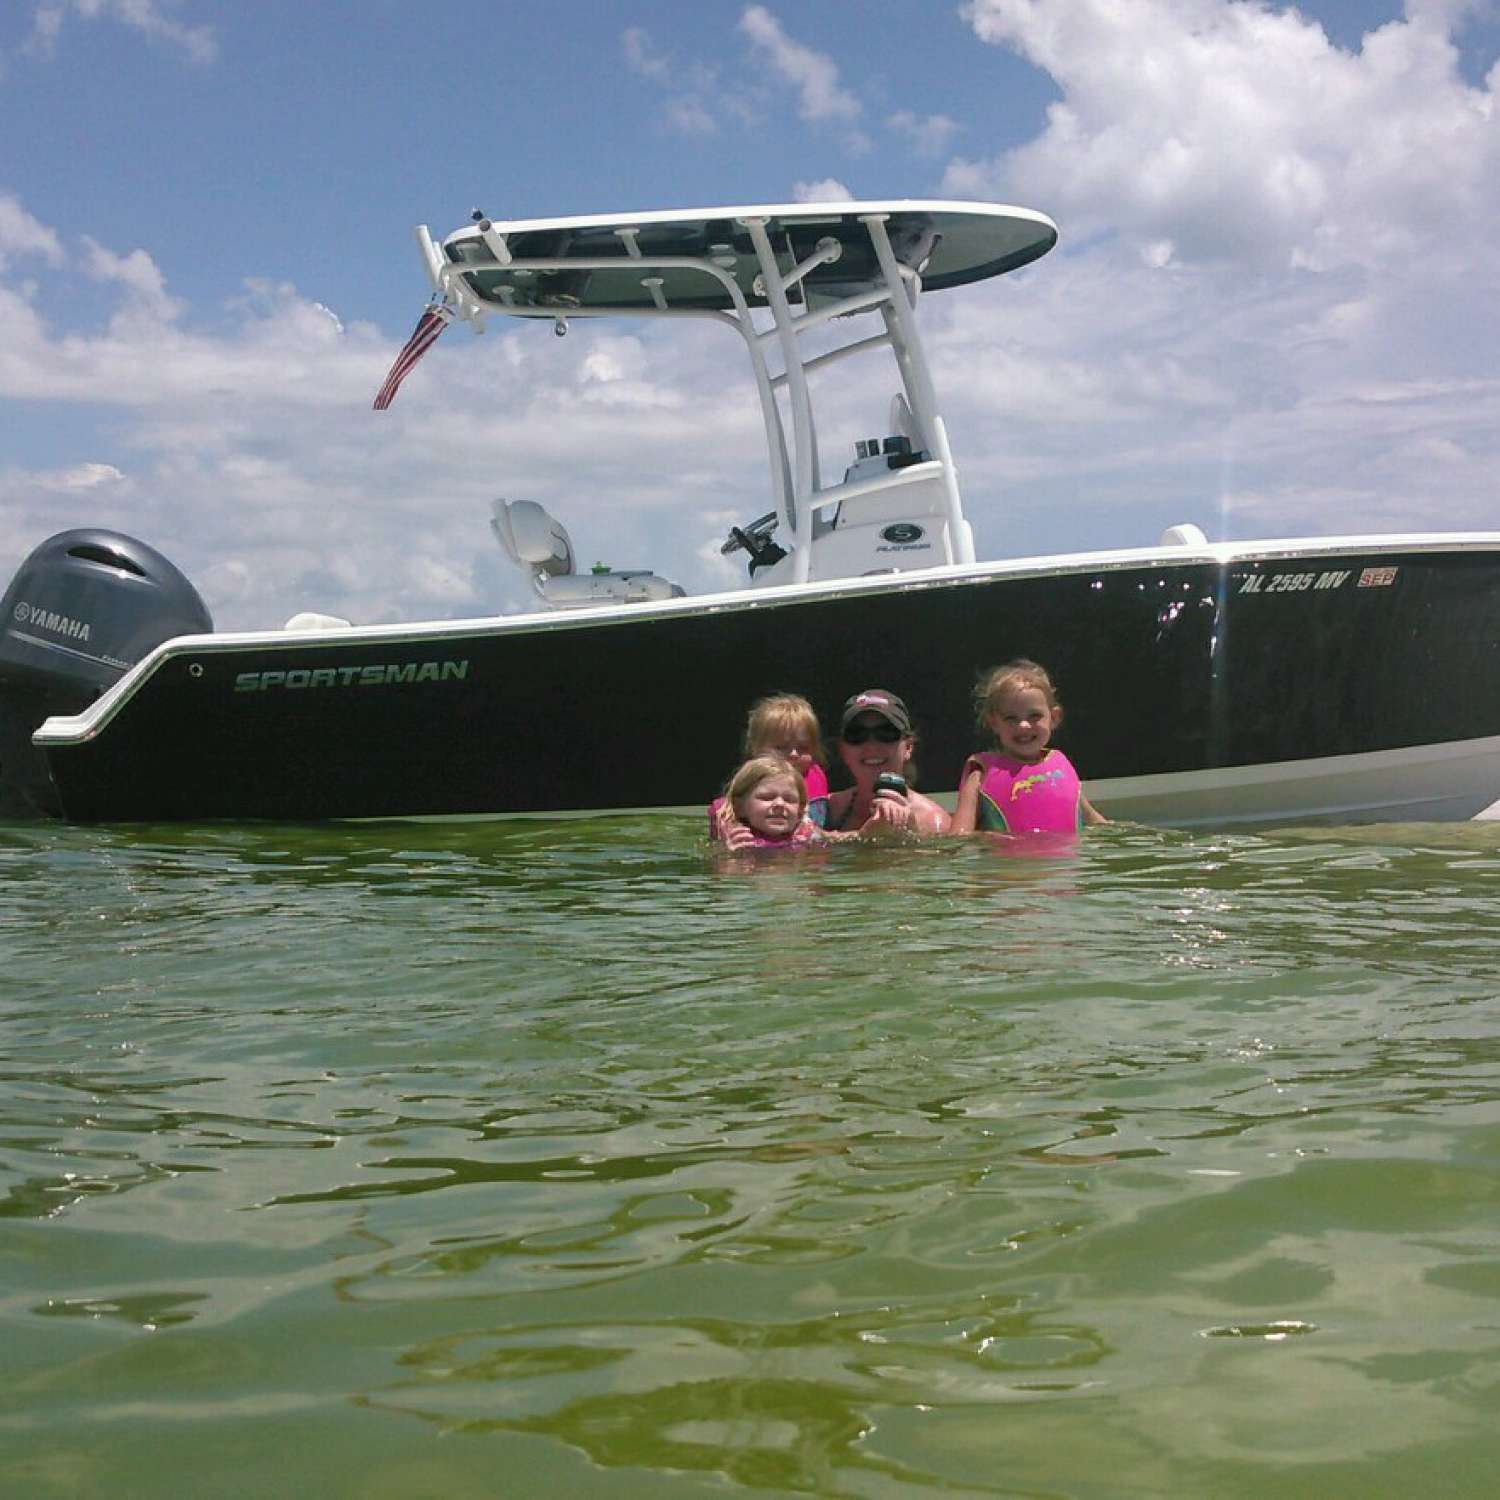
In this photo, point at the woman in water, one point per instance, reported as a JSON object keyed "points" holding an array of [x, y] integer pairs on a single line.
{"points": [[876, 744], [1025, 786]]}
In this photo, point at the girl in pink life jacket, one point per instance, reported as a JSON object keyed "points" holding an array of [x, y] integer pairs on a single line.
{"points": [[785, 725], [1025, 786], [769, 798]]}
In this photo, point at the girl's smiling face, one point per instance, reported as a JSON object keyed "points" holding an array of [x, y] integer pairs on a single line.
{"points": [[772, 807], [1022, 722]]}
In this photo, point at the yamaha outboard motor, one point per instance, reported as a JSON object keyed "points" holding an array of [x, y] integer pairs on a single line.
{"points": [[84, 607]]}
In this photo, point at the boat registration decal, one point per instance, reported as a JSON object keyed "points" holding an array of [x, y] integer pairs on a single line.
{"points": [[1300, 583], [1377, 578], [396, 674]]}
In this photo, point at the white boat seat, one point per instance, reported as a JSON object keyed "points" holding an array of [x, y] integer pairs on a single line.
{"points": [[539, 543], [532, 537], [1184, 535], [310, 619]]}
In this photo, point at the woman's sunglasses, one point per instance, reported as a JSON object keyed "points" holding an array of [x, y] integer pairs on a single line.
{"points": [[857, 734]]}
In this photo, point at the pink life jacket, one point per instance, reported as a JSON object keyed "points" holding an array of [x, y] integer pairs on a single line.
{"points": [[803, 833], [1017, 796]]}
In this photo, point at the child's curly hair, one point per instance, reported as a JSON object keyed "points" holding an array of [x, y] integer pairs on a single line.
{"points": [[1019, 673]]}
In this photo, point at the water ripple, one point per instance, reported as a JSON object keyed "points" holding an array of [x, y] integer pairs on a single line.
{"points": [[903, 1171]]}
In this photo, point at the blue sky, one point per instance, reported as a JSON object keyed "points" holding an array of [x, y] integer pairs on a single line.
{"points": [[1273, 309]]}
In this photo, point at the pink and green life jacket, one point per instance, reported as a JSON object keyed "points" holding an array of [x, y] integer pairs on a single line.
{"points": [[1017, 796]]}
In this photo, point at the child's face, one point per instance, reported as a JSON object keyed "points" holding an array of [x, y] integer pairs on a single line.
{"points": [[1022, 722], [793, 750], [771, 807]]}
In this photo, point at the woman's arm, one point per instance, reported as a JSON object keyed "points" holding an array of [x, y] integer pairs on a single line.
{"points": [[906, 812], [966, 816], [927, 816]]}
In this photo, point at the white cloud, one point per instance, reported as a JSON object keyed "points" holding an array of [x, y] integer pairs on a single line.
{"points": [[148, 17], [276, 313], [814, 75], [690, 117], [251, 457], [824, 190], [20, 234], [929, 135], [89, 477], [1272, 311], [35, 503], [693, 90], [137, 272], [614, 372], [427, 578], [1449, 14], [641, 54], [613, 359], [701, 102], [95, 478], [1240, 133]]}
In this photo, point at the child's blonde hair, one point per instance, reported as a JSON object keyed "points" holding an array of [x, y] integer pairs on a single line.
{"points": [[779, 718], [1019, 673], [761, 768]]}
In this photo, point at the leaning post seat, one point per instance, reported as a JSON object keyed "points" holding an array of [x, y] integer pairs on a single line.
{"points": [[312, 619], [1185, 534]]}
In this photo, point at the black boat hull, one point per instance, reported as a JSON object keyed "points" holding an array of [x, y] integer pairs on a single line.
{"points": [[1184, 682]]}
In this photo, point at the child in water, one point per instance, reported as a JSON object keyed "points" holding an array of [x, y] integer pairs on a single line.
{"points": [[785, 725], [769, 798], [1025, 787]]}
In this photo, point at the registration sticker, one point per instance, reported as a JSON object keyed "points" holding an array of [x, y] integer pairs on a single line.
{"points": [[1293, 583], [1377, 578]]}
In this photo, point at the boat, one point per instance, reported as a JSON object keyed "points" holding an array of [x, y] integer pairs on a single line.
{"points": [[1206, 682]]}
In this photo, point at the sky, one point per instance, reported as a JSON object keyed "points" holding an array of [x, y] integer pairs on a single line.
{"points": [[1273, 309]]}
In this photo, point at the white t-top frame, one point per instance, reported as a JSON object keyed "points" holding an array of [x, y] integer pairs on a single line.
{"points": [[476, 272]]}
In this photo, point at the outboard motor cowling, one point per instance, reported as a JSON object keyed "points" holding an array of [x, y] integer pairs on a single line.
{"points": [[82, 609]]}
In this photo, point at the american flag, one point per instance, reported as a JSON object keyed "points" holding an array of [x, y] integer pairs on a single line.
{"points": [[432, 322]]}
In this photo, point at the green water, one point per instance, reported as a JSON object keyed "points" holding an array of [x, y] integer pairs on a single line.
{"points": [[555, 1159]]}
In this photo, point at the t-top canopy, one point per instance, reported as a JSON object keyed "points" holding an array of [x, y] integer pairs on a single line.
{"points": [[650, 262]]}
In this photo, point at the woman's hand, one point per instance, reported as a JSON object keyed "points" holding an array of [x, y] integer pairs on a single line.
{"points": [[890, 811]]}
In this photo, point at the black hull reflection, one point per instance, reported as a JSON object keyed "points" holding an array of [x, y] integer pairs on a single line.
{"points": [[1165, 670]]}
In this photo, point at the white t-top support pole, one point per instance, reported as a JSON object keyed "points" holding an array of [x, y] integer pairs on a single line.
{"points": [[907, 341], [798, 519]]}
